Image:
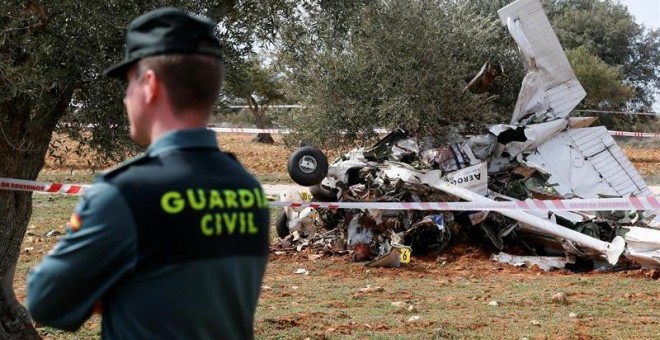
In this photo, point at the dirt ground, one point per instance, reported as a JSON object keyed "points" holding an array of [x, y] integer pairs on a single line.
{"points": [[288, 306]]}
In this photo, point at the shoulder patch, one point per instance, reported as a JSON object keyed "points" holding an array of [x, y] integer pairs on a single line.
{"points": [[117, 169], [75, 222]]}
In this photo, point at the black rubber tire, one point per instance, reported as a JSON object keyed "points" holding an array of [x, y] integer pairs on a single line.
{"points": [[323, 194], [307, 166], [281, 226]]}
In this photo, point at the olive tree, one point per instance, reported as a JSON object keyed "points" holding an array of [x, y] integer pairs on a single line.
{"points": [[52, 54], [603, 83], [607, 30], [398, 63], [258, 87]]}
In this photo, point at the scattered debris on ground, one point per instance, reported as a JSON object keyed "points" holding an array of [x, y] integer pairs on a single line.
{"points": [[541, 154]]}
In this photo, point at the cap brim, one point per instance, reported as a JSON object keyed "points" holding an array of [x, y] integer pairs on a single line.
{"points": [[119, 70]]}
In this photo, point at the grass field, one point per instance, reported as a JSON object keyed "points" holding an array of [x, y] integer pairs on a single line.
{"points": [[456, 294]]}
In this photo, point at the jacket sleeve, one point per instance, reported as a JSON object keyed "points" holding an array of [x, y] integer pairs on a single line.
{"points": [[99, 247]]}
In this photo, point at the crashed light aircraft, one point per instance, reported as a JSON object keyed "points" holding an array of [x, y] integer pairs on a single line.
{"points": [[541, 154]]}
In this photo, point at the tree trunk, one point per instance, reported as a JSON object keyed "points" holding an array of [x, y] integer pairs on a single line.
{"points": [[260, 123], [24, 136], [15, 210], [264, 138]]}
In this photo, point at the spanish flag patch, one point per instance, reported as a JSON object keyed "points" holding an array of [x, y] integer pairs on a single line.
{"points": [[75, 222]]}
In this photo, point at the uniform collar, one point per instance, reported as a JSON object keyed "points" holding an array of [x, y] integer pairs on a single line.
{"points": [[183, 139]]}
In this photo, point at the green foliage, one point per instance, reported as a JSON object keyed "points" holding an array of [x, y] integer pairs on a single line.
{"points": [[401, 63], [603, 83], [643, 68], [404, 63], [53, 54], [603, 27], [607, 30]]}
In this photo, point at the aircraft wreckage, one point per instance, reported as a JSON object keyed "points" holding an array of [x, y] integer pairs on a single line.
{"points": [[541, 154]]}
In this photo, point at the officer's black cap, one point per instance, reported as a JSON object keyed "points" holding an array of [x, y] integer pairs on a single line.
{"points": [[166, 31]]}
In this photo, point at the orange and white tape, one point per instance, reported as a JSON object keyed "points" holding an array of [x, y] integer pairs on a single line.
{"points": [[285, 131], [601, 204]]}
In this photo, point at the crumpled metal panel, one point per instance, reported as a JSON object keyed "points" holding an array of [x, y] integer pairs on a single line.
{"points": [[643, 245], [587, 163]]}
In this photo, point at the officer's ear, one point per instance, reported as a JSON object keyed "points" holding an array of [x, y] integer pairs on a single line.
{"points": [[151, 85]]}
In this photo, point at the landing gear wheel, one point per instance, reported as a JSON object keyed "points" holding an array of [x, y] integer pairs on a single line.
{"points": [[307, 166], [323, 194]]}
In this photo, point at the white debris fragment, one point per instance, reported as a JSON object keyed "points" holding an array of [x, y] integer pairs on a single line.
{"points": [[572, 315], [414, 318], [53, 233], [302, 271], [493, 303], [370, 289], [643, 245]]}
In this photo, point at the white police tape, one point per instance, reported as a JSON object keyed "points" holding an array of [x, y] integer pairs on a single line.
{"points": [[249, 130], [25, 185], [286, 131], [635, 134], [275, 131], [601, 204]]}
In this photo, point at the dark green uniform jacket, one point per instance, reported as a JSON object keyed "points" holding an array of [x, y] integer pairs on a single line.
{"points": [[173, 244]]}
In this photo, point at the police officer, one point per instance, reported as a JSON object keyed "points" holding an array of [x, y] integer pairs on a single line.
{"points": [[172, 244]]}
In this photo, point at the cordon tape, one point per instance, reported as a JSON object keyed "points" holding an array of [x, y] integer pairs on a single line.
{"points": [[275, 131], [25, 185], [601, 204], [286, 131]]}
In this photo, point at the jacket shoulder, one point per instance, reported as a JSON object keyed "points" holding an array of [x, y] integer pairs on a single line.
{"points": [[123, 166]]}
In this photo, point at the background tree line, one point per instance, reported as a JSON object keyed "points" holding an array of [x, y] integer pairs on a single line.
{"points": [[406, 63], [354, 65]]}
